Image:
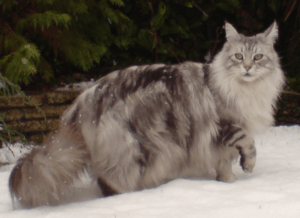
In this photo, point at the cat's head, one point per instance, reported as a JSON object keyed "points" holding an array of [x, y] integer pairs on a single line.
{"points": [[248, 58]]}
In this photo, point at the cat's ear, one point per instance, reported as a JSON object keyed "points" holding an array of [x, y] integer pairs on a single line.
{"points": [[231, 33], [271, 33]]}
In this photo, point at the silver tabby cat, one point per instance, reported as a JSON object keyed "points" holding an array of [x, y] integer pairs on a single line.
{"points": [[143, 126]]}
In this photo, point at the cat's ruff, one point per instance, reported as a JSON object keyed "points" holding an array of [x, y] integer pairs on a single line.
{"points": [[143, 126]]}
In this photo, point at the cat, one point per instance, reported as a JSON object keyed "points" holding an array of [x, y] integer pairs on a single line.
{"points": [[143, 126]]}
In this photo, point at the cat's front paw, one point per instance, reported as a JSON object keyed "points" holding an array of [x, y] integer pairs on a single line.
{"points": [[248, 164], [229, 177]]}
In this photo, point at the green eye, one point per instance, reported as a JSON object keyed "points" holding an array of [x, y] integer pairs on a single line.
{"points": [[239, 56], [258, 57]]}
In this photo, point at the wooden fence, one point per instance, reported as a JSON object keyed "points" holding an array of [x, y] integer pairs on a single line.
{"points": [[33, 123]]}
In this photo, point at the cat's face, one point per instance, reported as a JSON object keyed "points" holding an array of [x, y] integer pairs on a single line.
{"points": [[249, 58]]}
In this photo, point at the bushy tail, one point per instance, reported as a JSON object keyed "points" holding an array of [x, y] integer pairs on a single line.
{"points": [[44, 176]]}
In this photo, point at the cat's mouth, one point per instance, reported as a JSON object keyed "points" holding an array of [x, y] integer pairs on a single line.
{"points": [[248, 77]]}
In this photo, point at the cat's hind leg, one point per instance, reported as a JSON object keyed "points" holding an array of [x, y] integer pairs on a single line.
{"points": [[127, 159], [116, 157]]}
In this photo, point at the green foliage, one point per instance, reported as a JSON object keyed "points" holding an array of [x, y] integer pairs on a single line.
{"points": [[8, 88], [228, 5], [86, 56], [38, 36], [44, 20], [117, 2], [21, 64], [7, 133], [97, 36]]}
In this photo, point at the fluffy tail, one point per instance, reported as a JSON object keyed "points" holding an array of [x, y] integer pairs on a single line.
{"points": [[44, 176]]}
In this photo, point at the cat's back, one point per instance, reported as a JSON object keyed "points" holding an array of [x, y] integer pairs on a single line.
{"points": [[175, 95], [148, 78], [175, 82]]}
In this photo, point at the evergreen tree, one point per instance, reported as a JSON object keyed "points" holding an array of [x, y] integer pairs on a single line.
{"points": [[7, 88], [40, 35], [54, 37]]}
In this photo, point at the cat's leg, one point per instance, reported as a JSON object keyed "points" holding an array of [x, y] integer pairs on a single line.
{"points": [[116, 158], [135, 154], [233, 141], [105, 188], [223, 157], [127, 171], [248, 155], [224, 170], [117, 176], [236, 137]]}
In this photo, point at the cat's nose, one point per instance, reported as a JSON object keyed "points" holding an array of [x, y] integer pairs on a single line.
{"points": [[247, 68]]}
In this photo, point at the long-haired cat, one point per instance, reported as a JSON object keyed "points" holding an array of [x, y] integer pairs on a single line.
{"points": [[143, 126]]}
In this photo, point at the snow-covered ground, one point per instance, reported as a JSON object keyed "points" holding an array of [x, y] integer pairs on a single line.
{"points": [[272, 190]]}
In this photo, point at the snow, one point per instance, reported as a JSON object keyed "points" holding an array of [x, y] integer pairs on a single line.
{"points": [[272, 190], [81, 86], [10, 153]]}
